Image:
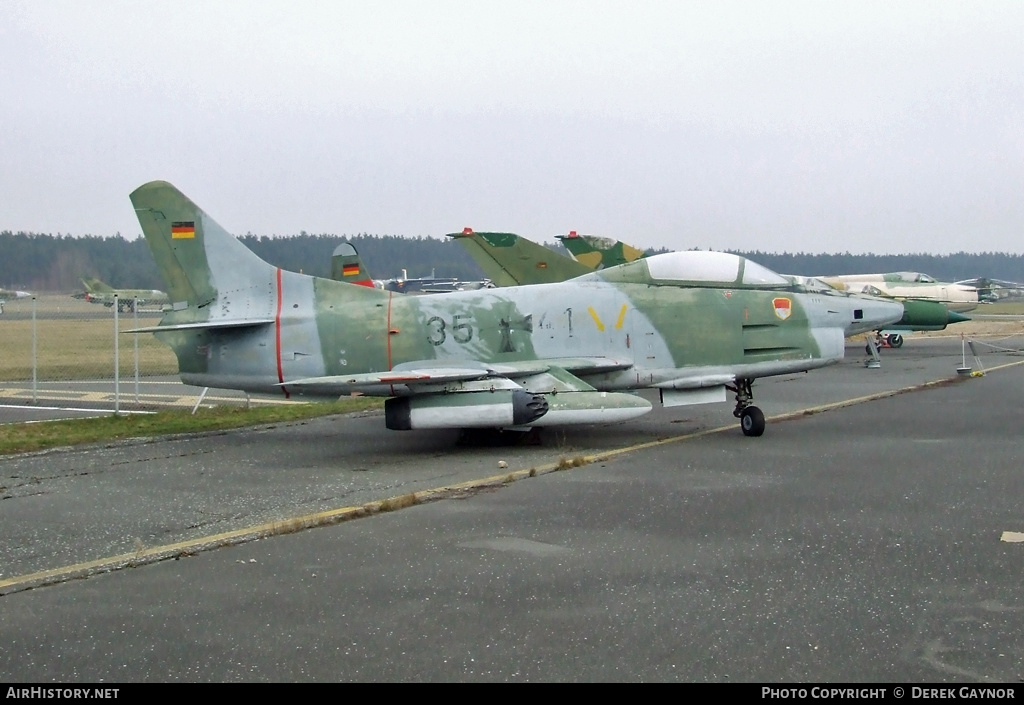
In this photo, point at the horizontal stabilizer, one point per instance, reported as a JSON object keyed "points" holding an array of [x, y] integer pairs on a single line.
{"points": [[205, 325]]}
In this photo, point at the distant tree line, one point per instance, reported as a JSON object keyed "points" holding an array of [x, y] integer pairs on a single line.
{"points": [[44, 262]]}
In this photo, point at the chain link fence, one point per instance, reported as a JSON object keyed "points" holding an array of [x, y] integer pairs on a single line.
{"points": [[57, 350]]}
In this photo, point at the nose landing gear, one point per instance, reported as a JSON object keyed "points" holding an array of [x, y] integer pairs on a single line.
{"points": [[886, 340]]}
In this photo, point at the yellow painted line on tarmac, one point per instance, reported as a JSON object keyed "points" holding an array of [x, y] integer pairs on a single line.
{"points": [[191, 547], [129, 397], [336, 516]]}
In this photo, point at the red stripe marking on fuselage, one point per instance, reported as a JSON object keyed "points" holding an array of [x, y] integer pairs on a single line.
{"points": [[277, 334], [387, 332]]}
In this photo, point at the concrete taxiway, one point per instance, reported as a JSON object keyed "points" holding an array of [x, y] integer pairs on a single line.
{"points": [[868, 536]]}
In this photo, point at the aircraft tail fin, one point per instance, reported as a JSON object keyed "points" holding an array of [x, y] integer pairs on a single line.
{"points": [[510, 260], [95, 286], [599, 252], [347, 266], [197, 258]]}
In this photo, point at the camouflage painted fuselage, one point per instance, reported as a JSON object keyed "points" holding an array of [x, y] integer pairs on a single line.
{"points": [[550, 353], [324, 328]]}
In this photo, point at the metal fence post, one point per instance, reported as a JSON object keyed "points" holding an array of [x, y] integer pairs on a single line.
{"points": [[34, 359], [117, 361], [135, 324]]}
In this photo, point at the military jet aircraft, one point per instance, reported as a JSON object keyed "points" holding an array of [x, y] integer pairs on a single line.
{"points": [[689, 324], [5, 294], [97, 292], [991, 291], [347, 266], [958, 298], [516, 260], [928, 305], [13, 294]]}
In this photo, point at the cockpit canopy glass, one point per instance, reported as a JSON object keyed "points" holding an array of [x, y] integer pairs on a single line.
{"points": [[712, 268]]}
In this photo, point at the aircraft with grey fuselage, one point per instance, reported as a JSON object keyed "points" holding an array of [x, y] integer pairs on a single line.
{"points": [[11, 294], [690, 324]]}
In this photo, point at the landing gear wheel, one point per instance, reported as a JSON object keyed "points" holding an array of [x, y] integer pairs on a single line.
{"points": [[896, 340], [752, 421]]}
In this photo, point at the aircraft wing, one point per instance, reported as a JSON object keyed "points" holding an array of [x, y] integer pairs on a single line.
{"points": [[434, 376]]}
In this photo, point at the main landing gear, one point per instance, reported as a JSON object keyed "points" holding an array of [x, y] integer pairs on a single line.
{"points": [[751, 418]]}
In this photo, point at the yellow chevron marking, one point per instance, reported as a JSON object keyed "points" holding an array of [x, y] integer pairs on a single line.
{"points": [[622, 317], [597, 319]]}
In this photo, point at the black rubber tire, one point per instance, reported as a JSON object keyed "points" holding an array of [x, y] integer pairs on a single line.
{"points": [[752, 421]]}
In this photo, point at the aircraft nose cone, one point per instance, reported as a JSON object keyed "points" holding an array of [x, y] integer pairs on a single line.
{"points": [[954, 317]]}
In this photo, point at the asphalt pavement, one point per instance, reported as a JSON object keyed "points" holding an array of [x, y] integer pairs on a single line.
{"points": [[870, 535]]}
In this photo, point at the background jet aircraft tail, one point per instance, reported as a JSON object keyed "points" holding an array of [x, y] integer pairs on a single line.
{"points": [[347, 266], [510, 260], [95, 286], [599, 252]]}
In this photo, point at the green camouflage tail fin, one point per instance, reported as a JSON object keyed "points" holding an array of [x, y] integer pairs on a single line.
{"points": [[347, 266], [509, 260], [197, 258], [599, 252], [95, 286]]}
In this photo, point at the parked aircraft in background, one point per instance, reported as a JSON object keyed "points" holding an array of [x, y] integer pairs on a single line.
{"points": [[97, 292], [908, 285], [992, 290], [430, 285], [690, 324], [11, 294], [347, 266]]}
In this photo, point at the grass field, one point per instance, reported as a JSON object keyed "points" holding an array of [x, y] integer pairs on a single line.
{"points": [[1006, 308], [17, 438], [79, 349]]}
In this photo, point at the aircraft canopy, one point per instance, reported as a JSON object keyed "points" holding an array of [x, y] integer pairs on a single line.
{"points": [[712, 268]]}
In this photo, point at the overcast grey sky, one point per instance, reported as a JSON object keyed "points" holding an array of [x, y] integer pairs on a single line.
{"points": [[885, 127]]}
